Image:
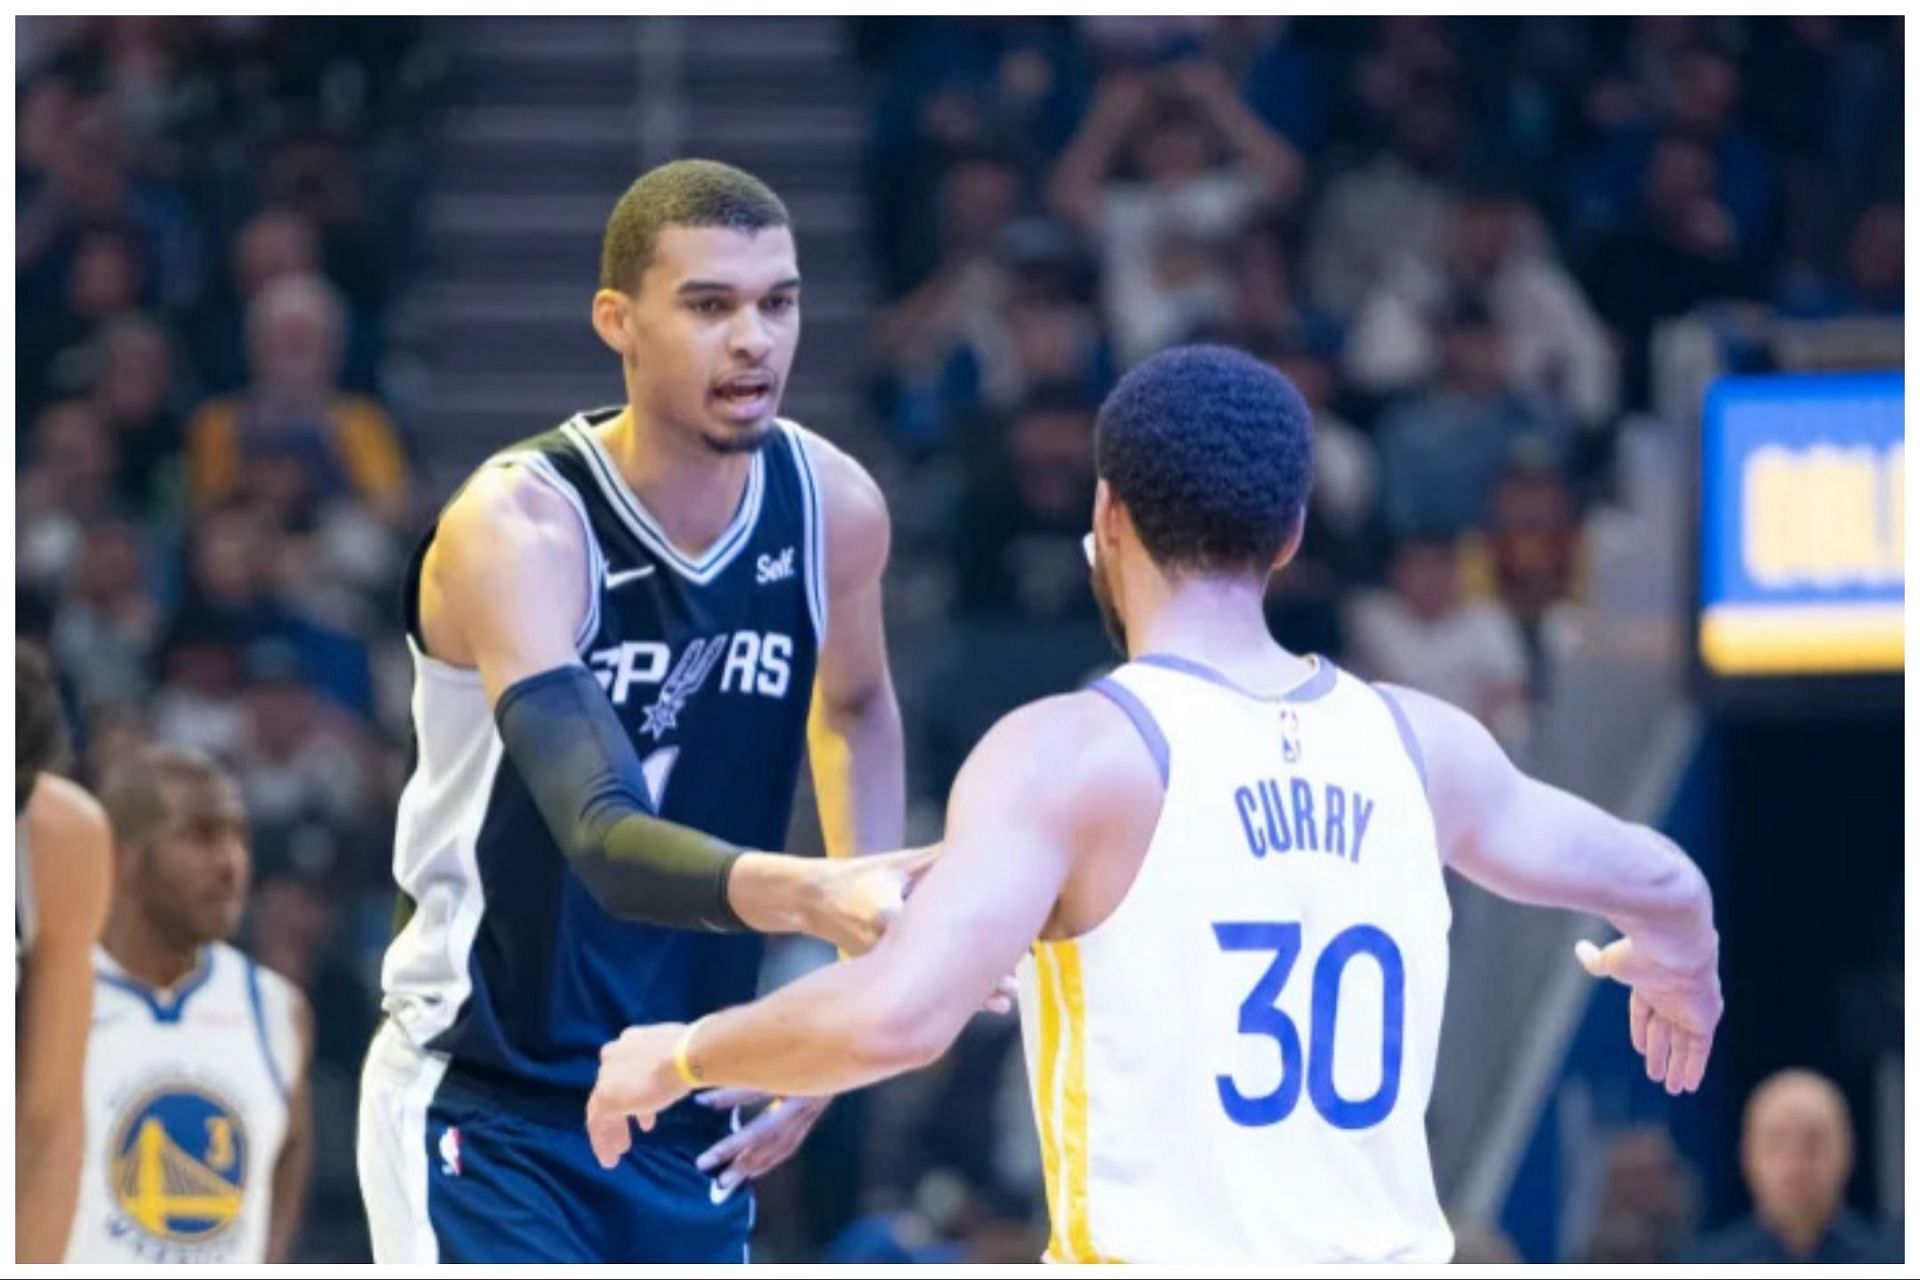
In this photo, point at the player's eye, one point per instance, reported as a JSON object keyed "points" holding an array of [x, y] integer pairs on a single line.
{"points": [[781, 303], [709, 306]]}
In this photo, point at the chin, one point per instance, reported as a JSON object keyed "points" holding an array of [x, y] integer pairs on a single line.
{"points": [[739, 439]]}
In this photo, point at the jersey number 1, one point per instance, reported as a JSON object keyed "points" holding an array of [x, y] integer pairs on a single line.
{"points": [[1260, 1015]]}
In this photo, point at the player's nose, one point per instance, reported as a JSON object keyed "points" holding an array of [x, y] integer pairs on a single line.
{"points": [[749, 337]]}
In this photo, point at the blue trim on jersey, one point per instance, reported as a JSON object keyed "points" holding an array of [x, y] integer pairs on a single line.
{"points": [[1314, 687], [260, 1026], [1407, 740], [170, 1010], [1143, 720]]}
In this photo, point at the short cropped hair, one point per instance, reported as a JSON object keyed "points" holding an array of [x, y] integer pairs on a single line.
{"points": [[1211, 453], [683, 193], [134, 792]]}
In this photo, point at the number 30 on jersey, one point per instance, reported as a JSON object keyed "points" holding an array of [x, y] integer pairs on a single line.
{"points": [[1312, 1058]]}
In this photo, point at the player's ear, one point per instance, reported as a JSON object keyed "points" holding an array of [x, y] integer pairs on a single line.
{"points": [[1106, 508], [610, 310], [1292, 546]]}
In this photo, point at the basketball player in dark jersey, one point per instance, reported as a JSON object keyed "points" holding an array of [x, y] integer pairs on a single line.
{"points": [[63, 855], [626, 633]]}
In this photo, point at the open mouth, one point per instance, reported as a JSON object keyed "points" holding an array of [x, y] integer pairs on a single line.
{"points": [[746, 395]]}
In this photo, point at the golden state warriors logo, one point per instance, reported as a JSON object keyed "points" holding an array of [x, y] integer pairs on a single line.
{"points": [[179, 1164]]}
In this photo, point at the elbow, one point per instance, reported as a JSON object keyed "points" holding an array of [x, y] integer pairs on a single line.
{"points": [[899, 1037]]}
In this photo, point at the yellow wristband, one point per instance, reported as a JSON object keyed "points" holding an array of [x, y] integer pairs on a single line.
{"points": [[682, 1066]]}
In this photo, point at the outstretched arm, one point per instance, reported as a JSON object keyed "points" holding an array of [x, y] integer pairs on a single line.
{"points": [[1533, 843], [1012, 836], [504, 589]]}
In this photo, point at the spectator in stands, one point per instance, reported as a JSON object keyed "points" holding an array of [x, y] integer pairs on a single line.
{"points": [[89, 184], [1648, 1203], [1556, 348], [339, 446], [1796, 1150], [301, 758], [1441, 450], [198, 700], [1395, 204], [1027, 511], [276, 244], [1529, 555], [1162, 235], [979, 194], [1682, 250], [1044, 330], [110, 619], [1424, 633], [1874, 278], [66, 484], [134, 396]]}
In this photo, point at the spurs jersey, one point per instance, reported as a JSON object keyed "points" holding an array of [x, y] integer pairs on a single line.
{"points": [[507, 972], [186, 1101], [1234, 1067]]}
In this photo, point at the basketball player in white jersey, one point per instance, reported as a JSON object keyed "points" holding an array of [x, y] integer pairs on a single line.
{"points": [[61, 857], [1225, 861], [199, 1136]]}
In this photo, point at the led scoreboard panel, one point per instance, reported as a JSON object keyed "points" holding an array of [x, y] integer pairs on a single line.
{"points": [[1803, 517]]}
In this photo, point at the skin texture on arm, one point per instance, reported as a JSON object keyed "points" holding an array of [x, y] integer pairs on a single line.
{"points": [[72, 851], [1533, 843], [854, 738], [1014, 835], [296, 1152]]}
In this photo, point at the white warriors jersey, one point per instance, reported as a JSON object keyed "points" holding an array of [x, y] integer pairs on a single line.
{"points": [[1234, 1067], [186, 1100]]}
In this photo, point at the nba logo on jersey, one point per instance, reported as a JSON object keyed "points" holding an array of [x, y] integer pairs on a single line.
{"points": [[1290, 736], [178, 1171], [450, 1151]]}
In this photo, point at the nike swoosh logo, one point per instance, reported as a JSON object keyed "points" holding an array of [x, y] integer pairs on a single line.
{"points": [[719, 1194], [631, 575]]}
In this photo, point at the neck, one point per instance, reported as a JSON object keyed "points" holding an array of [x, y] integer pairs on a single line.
{"points": [[143, 949], [1800, 1233], [1219, 622], [692, 490]]}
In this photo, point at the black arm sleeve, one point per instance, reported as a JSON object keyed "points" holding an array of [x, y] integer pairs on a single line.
{"points": [[585, 777]]}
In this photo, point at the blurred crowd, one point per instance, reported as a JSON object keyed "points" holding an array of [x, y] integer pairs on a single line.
{"points": [[214, 216], [1456, 242], [1456, 236]]}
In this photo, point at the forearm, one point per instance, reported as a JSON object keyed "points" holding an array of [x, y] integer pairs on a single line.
{"points": [[838, 1028], [1262, 150], [587, 783], [289, 1202], [1074, 189], [1557, 850], [859, 773], [46, 1187]]}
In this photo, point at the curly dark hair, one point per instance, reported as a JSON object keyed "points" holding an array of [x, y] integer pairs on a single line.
{"points": [[683, 193], [1211, 453]]}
